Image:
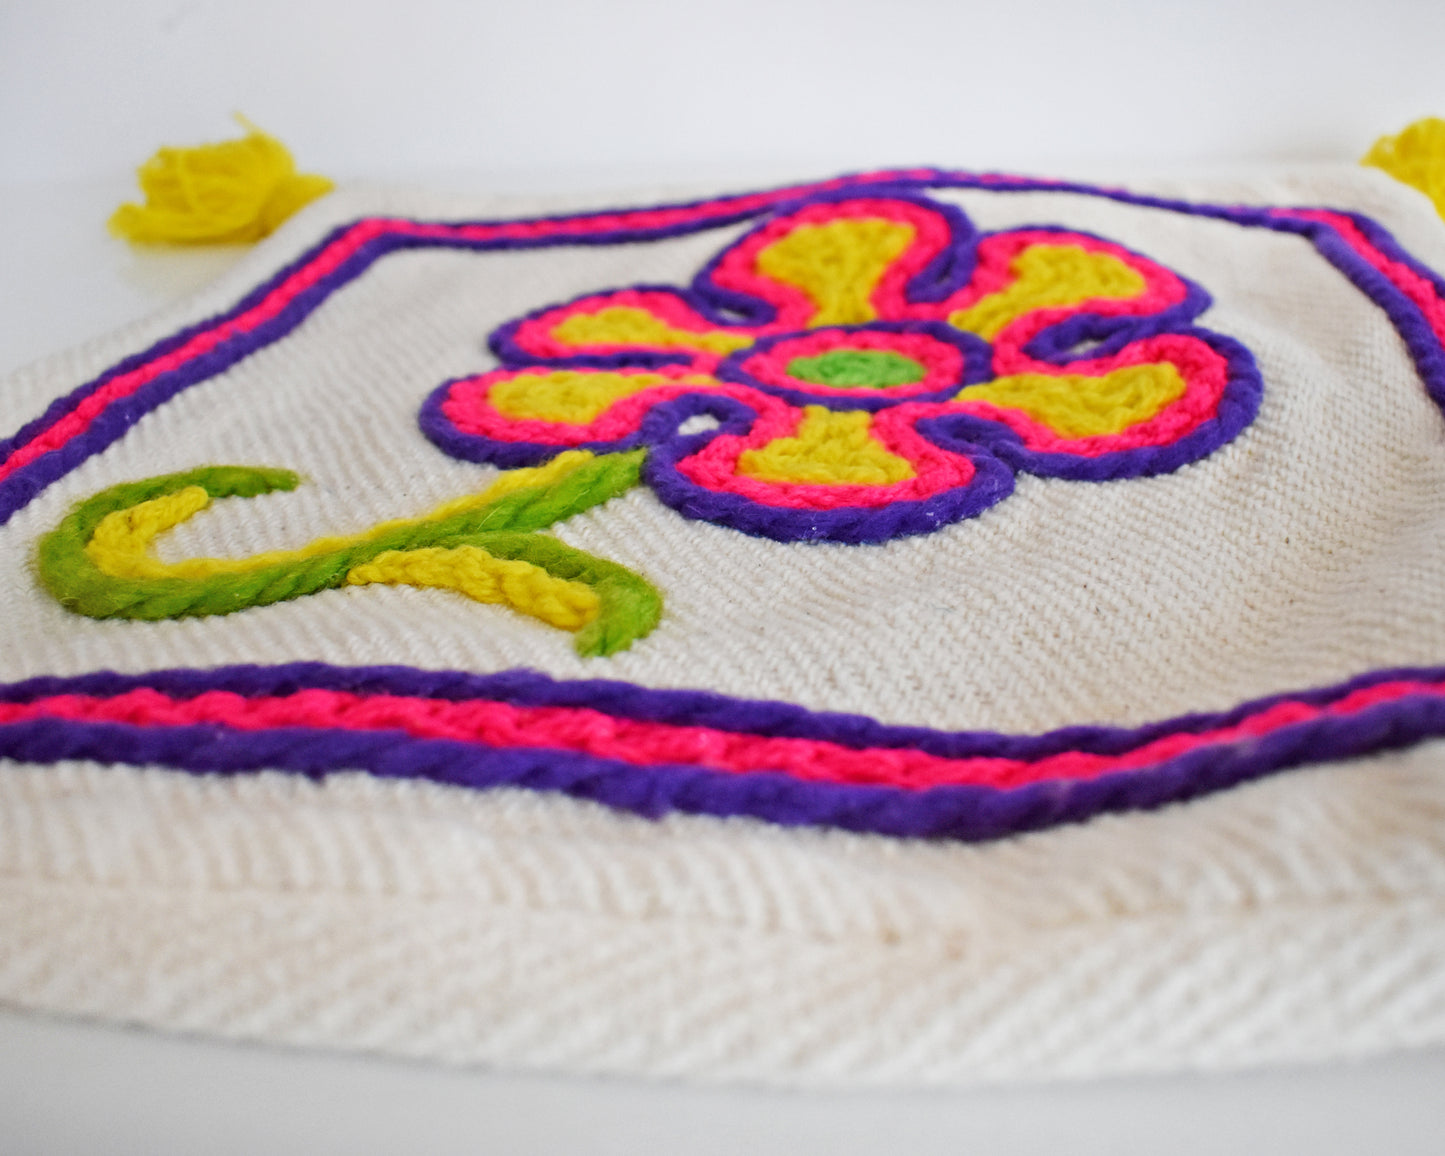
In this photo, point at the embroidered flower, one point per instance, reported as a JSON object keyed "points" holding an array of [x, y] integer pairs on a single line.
{"points": [[859, 368]]}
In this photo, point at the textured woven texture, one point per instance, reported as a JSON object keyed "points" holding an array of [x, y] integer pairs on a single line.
{"points": [[1075, 553]]}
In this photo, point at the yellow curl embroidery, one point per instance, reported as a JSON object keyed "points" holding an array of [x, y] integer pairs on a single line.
{"points": [[121, 546], [470, 570]]}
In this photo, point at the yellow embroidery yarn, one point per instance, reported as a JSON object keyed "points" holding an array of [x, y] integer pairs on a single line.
{"points": [[509, 483], [1416, 156], [625, 325], [121, 544], [1046, 277], [1079, 407], [571, 396], [829, 448], [470, 570], [488, 546], [838, 265], [234, 191]]}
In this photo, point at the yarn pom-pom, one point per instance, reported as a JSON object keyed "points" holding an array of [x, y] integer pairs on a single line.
{"points": [[1416, 156], [234, 191]]}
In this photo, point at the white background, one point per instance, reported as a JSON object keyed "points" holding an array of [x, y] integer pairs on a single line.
{"points": [[564, 96], [560, 91]]}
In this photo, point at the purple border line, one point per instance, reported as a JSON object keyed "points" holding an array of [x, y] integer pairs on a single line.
{"points": [[957, 812]]}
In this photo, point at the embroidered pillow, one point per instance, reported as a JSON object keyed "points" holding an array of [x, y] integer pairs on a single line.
{"points": [[752, 637]]}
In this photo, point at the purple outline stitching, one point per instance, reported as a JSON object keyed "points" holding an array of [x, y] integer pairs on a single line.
{"points": [[986, 443], [958, 812]]}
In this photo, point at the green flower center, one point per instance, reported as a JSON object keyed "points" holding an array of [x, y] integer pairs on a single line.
{"points": [[857, 368]]}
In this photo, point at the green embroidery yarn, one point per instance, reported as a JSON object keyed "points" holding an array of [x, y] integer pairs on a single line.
{"points": [[857, 368], [70, 562]]}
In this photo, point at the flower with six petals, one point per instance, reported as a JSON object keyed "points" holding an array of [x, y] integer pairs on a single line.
{"points": [[857, 368]]}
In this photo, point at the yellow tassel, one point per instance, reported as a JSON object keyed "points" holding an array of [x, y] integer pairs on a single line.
{"points": [[1416, 157], [235, 191]]}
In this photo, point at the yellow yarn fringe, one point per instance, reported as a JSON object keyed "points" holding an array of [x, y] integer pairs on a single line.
{"points": [[234, 191], [1416, 156]]}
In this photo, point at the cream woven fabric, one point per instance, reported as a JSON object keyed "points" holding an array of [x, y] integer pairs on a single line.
{"points": [[1300, 916]]}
